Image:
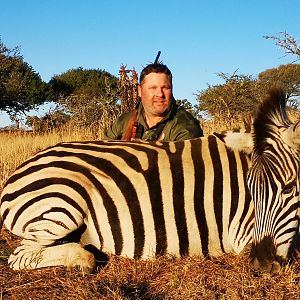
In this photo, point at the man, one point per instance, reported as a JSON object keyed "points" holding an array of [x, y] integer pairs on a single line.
{"points": [[157, 116]]}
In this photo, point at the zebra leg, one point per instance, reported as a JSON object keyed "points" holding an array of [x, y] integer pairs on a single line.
{"points": [[30, 255]]}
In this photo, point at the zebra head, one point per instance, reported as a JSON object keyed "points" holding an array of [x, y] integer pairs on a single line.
{"points": [[273, 181]]}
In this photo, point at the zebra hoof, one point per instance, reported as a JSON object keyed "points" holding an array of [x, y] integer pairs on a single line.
{"points": [[84, 269], [84, 265]]}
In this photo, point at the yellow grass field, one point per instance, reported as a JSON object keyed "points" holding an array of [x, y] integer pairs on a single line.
{"points": [[226, 277]]}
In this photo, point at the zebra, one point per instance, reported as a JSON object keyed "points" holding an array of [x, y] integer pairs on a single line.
{"points": [[145, 199], [273, 182]]}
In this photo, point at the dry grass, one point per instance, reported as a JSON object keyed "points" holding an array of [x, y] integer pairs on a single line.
{"points": [[227, 277], [222, 123], [18, 146]]}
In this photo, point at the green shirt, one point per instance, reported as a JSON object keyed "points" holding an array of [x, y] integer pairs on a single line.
{"points": [[177, 125]]}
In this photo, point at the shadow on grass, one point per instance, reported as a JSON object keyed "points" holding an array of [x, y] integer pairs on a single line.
{"points": [[131, 291]]}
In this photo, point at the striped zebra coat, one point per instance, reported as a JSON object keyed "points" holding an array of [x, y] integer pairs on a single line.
{"points": [[134, 199]]}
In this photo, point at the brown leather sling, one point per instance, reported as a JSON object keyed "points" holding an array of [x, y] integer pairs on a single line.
{"points": [[130, 131]]}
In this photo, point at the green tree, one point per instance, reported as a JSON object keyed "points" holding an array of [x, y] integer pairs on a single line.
{"points": [[90, 97], [88, 82], [52, 120], [21, 88], [287, 77], [193, 109], [237, 96], [90, 110]]}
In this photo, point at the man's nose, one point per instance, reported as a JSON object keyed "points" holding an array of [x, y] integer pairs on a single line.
{"points": [[159, 92]]}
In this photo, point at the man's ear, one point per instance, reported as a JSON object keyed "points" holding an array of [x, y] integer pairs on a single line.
{"points": [[139, 91]]}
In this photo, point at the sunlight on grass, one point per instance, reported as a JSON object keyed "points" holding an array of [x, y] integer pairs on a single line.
{"points": [[15, 148]]}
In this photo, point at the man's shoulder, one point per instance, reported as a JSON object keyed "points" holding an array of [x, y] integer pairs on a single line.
{"points": [[182, 126], [124, 117], [183, 115], [185, 125]]}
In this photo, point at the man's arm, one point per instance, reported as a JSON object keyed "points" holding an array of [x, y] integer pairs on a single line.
{"points": [[117, 128]]}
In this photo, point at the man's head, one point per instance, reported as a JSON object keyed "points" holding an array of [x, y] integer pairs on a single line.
{"points": [[155, 89], [155, 68]]}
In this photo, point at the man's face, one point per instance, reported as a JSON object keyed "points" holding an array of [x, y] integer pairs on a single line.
{"points": [[156, 93]]}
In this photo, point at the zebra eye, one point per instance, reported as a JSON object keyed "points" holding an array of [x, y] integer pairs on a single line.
{"points": [[289, 187]]}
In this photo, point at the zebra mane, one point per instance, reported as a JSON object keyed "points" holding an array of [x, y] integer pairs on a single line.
{"points": [[269, 118]]}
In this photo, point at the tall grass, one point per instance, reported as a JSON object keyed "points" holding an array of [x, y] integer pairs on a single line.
{"points": [[16, 147]]}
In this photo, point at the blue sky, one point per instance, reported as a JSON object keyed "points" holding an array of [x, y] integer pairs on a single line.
{"points": [[197, 38]]}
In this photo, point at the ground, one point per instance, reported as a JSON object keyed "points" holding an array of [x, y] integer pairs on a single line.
{"points": [[226, 277]]}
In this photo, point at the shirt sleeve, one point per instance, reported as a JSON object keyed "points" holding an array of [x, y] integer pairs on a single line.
{"points": [[115, 131]]}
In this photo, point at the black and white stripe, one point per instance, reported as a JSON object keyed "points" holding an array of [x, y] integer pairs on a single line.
{"points": [[143, 200]]}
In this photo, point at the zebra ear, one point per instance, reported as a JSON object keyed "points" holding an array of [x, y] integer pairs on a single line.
{"points": [[291, 136], [239, 141]]}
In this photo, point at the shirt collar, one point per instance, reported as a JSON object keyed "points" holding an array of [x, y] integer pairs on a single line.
{"points": [[141, 118]]}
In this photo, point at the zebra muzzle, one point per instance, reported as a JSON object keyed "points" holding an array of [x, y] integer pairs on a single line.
{"points": [[263, 257]]}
